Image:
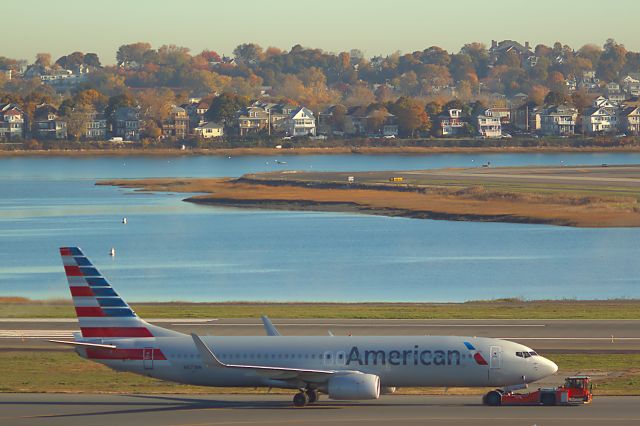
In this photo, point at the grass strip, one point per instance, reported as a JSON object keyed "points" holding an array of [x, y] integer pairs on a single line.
{"points": [[497, 309], [64, 371]]}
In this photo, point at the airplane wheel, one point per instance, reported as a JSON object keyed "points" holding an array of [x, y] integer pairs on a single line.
{"points": [[300, 399], [492, 398], [313, 396]]}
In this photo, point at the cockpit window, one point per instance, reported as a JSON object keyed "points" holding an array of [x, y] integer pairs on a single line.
{"points": [[519, 354], [526, 354], [533, 353]]}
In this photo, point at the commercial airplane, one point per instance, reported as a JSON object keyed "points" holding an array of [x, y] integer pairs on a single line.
{"points": [[343, 367]]}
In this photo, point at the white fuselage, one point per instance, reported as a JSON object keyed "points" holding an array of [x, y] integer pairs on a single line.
{"points": [[399, 361]]}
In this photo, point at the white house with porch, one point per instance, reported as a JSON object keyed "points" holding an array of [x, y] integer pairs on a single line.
{"points": [[301, 122]]}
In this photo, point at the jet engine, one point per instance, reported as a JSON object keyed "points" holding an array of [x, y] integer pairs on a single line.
{"points": [[354, 386]]}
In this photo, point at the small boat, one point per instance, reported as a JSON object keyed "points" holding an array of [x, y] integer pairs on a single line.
{"points": [[124, 220], [112, 252]]}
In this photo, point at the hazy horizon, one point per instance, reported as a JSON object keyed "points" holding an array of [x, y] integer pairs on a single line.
{"points": [[334, 26]]}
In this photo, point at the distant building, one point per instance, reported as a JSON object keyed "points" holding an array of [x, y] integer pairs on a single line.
{"points": [[598, 120], [210, 131], [96, 127], [526, 118], [252, 120], [300, 122], [47, 125], [558, 120], [630, 120], [504, 114], [489, 126], [452, 123], [126, 123], [177, 125], [12, 122], [7, 74], [498, 49]]}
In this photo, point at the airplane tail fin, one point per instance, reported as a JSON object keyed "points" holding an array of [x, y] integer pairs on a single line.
{"points": [[101, 312]]}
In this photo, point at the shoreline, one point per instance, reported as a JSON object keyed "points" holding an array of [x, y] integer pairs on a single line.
{"points": [[406, 150], [590, 197]]}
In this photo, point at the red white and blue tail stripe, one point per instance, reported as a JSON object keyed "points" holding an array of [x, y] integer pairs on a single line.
{"points": [[101, 312]]}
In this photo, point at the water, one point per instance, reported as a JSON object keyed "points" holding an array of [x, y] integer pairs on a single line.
{"points": [[171, 250]]}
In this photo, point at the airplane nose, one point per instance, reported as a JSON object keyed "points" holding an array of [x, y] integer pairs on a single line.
{"points": [[550, 367]]}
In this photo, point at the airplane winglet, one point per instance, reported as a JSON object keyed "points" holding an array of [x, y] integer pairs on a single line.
{"points": [[89, 345], [269, 327], [208, 357]]}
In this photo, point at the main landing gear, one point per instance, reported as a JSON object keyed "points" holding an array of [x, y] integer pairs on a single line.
{"points": [[305, 397]]}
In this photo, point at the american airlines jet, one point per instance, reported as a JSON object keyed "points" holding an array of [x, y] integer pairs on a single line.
{"points": [[342, 367]]}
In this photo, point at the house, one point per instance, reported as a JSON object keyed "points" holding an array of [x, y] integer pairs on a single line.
{"points": [[126, 123], [631, 84], [598, 120], [300, 122], [614, 94], [512, 47], [504, 114], [177, 125], [47, 125], [252, 120], [452, 123], [526, 118], [96, 126], [558, 120], [12, 122], [209, 130], [630, 120], [489, 126]]}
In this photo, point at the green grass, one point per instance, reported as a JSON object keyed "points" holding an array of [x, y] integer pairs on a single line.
{"points": [[498, 309], [64, 371]]}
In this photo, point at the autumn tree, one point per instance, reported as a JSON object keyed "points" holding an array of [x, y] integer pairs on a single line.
{"points": [[71, 61], [248, 53], [537, 94], [133, 52], [411, 116], [376, 118], [555, 98], [612, 61], [359, 94], [78, 120], [223, 108], [338, 117], [43, 59]]}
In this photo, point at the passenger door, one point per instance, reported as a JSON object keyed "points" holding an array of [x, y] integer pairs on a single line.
{"points": [[495, 358]]}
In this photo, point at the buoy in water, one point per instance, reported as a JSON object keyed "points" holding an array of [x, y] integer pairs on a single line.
{"points": [[124, 220], [112, 252]]}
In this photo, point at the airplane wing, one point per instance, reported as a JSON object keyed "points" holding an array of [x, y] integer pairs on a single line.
{"points": [[269, 327], [280, 373]]}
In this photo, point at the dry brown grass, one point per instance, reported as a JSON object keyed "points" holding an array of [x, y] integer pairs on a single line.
{"points": [[473, 202]]}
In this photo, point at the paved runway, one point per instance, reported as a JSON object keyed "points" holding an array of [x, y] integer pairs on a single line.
{"points": [[201, 410], [546, 336]]}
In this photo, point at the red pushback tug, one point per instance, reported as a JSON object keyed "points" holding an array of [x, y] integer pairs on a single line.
{"points": [[575, 391]]}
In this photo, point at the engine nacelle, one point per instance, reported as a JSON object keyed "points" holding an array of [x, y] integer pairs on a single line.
{"points": [[354, 386], [387, 390]]}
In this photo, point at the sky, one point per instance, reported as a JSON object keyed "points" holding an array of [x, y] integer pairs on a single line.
{"points": [[373, 26]]}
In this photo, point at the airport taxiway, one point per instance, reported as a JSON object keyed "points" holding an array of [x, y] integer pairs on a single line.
{"points": [[264, 409], [546, 336]]}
